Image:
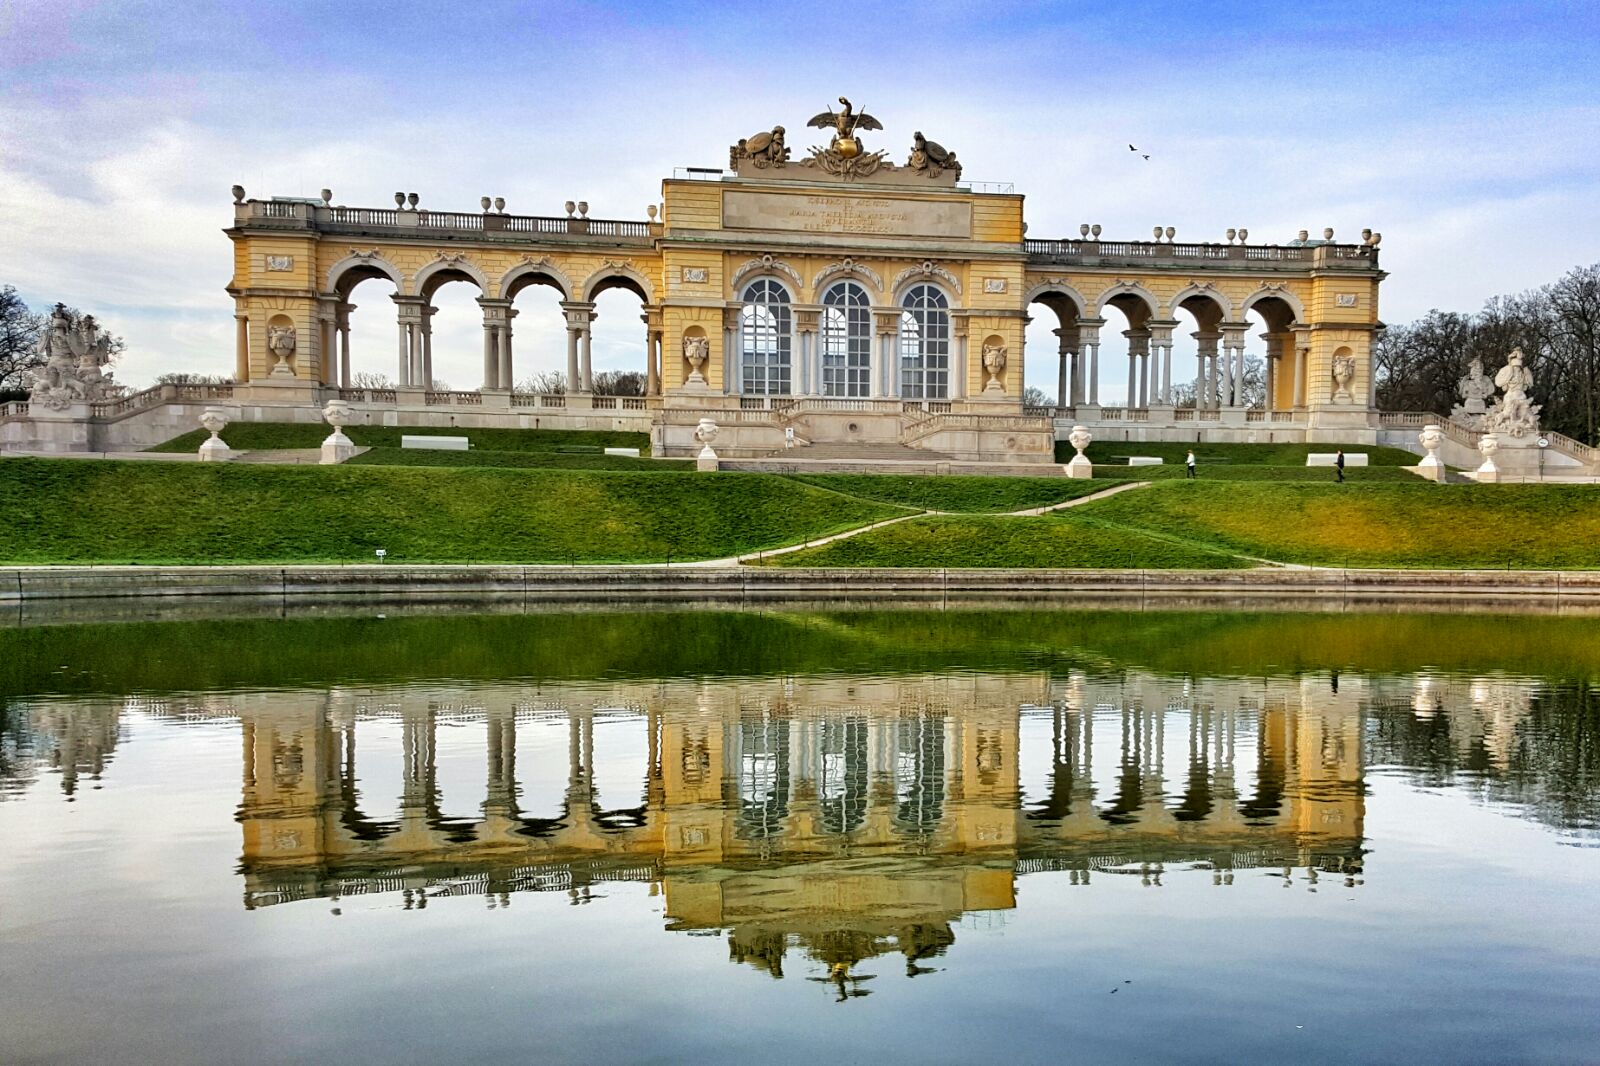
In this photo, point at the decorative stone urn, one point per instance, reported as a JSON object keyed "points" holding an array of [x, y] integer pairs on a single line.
{"points": [[705, 433], [1488, 444], [214, 449], [1431, 467], [696, 350], [1079, 467], [338, 447]]}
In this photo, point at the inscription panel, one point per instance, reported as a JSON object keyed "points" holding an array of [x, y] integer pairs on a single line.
{"points": [[881, 216]]}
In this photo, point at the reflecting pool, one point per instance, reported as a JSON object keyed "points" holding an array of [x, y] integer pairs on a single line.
{"points": [[926, 836]]}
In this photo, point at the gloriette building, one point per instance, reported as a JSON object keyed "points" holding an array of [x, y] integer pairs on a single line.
{"points": [[865, 298]]}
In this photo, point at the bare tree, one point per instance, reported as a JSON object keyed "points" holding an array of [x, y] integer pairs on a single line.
{"points": [[194, 379], [19, 341], [619, 383], [371, 379], [550, 381]]}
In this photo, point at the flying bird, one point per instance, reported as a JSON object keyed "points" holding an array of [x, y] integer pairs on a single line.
{"points": [[1131, 148]]}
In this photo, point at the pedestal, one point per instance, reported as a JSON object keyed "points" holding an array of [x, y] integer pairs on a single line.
{"points": [[1079, 467], [337, 448], [707, 461], [1432, 468], [215, 450]]}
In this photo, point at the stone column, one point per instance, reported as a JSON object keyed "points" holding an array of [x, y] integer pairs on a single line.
{"points": [[886, 376], [1206, 384], [580, 377], [427, 346], [1089, 342], [808, 378], [1064, 398], [1233, 347], [732, 355], [1302, 356], [1138, 367], [650, 381], [328, 356], [496, 360], [1161, 340], [410, 350], [586, 354], [507, 378], [572, 358], [657, 351], [241, 348], [344, 343]]}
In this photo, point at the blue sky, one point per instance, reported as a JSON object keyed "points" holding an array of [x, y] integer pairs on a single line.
{"points": [[1465, 132]]}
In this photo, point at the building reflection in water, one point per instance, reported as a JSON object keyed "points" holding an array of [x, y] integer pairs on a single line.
{"points": [[837, 819]]}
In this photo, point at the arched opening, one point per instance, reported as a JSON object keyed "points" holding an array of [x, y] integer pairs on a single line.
{"points": [[620, 768], [846, 340], [541, 328], [452, 325], [1203, 344], [766, 340], [619, 336], [1056, 370], [366, 341], [924, 344], [1274, 370], [1134, 388]]}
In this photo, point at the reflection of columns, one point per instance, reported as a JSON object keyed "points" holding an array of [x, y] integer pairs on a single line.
{"points": [[1206, 382], [241, 348], [343, 325], [1089, 342], [1233, 353], [1138, 367], [1161, 340], [410, 351]]}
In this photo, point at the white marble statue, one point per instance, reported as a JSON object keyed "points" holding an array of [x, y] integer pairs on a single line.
{"points": [[74, 362], [1475, 390], [1513, 414]]}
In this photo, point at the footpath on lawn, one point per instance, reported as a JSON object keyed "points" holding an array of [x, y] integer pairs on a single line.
{"points": [[76, 512]]}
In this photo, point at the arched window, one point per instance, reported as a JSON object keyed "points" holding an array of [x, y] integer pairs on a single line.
{"points": [[925, 344], [765, 339], [846, 341]]}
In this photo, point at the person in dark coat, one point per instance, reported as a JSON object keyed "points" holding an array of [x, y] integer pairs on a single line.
{"points": [[1338, 466]]}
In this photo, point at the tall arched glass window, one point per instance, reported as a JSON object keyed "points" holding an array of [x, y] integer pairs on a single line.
{"points": [[925, 344], [846, 341], [765, 339]]}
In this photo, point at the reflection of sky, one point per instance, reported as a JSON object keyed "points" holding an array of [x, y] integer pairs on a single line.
{"points": [[1461, 129]]}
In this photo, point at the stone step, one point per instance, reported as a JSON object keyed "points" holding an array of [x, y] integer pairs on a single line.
{"points": [[860, 451]]}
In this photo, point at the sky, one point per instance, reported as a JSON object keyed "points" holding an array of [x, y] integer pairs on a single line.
{"points": [[1465, 132]]}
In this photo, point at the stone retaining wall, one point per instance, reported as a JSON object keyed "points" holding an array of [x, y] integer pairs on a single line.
{"points": [[1495, 589]]}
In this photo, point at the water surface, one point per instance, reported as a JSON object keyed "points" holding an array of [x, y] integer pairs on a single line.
{"points": [[945, 836]]}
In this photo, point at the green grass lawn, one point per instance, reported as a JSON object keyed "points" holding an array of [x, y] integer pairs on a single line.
{"points": [[526, 460], [1115, 453], [975, 495], [79, 511], [974, 541], [1378, 525], [262, 436]]}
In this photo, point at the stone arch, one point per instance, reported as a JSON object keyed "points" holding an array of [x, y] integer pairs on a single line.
{"points": [[1040, 292], [1134, 289], [858, 272], [453, 267], [534, 272], [1280, 292], [360, 266], [1198, 291], [616, 275]]}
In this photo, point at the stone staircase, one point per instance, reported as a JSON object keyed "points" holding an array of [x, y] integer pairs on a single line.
{"points": [[863, 452]]}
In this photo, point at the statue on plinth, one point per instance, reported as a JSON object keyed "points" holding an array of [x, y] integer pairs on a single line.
{"points": [[1475, 390], [1344, 372], [931, 157], [706, 432], [763, 149], [696, 350], [281, 343], [74, 358], [846, 156], [1514, 414]]}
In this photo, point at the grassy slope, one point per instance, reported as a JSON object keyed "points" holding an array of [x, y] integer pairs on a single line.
{"points": [[1117, 452], [60, 511], [258, 436], [1421, 525], [973, 541], [525, 460], [955, 493]]}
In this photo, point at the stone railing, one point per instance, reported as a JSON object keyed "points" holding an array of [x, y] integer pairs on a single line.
{"points": [[1575, 448], [548, 400], [368, 395], [924, 428], [1251, 257], [454, 399], [132, 403], [297, 214], [14, 409]]}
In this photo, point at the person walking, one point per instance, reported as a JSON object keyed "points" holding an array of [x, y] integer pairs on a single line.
{"points": [[1338, 466], [1188, 465]]}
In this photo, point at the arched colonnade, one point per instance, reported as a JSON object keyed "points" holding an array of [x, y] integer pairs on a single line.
{"points": [[413, 298]]}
